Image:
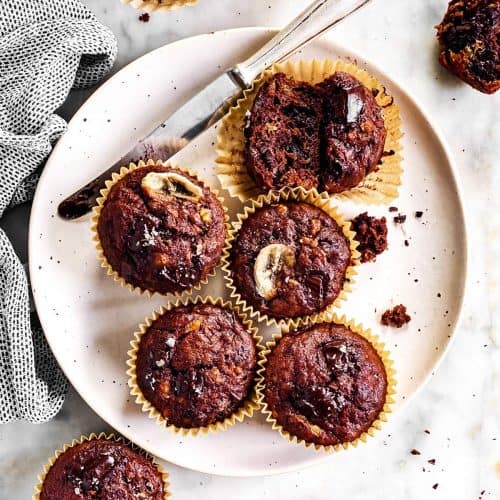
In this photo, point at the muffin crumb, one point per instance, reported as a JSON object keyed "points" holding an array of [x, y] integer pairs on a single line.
{"points": [[396, 317], [371, 233]]}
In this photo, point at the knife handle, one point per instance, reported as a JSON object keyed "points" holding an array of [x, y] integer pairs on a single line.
{"points": [[319, 17]]}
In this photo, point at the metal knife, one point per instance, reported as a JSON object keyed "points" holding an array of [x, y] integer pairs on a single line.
{"points": [[194, 116]]}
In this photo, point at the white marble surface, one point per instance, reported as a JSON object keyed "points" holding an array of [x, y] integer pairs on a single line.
{"points": [[460, 407]]}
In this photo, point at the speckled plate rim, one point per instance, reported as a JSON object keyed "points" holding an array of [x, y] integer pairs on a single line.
{"points": [[454, 176]]}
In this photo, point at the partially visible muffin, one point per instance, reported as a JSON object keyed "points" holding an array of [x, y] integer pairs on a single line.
{"points": [[161, 229], [196, 365], [283, 134], [102, 468], [289, 260], [325, 384], [469, 35], [352, 134]]}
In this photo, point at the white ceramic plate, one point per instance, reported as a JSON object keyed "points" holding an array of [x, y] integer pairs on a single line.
{"points": [[88, 319]]}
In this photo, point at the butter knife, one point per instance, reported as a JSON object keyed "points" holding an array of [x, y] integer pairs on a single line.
{"points": [[193, 117]]}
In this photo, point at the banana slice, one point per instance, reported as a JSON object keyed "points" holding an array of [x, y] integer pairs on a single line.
{"points": [[170, 184], [268, 264]]}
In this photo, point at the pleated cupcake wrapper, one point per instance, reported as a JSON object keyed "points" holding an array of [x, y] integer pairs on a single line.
{"points": [[91, 437], [312, 197], [95, 234], [159, 5], [389, 399], [379, 187], [249, 406]]}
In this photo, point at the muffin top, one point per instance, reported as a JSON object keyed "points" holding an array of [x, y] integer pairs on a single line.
{"points": [[161, 229], [325, 384], [196, 365], [353, 133], [470, 42], [328, 136], [105, 469], [290, 259]]}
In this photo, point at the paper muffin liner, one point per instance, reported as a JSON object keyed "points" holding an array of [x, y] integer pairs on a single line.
{"points": [[379, 187], [95, 234], [110, 437], [248, 407], [322, 201], [389, 398], [159, 5]]}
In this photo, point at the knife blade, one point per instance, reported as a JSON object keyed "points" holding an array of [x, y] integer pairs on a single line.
{"points": [[193, 117]]}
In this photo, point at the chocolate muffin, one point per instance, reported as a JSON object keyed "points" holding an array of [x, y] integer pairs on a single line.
{"points": [[325, 384], [161, 229], [196, 365], [469, 35], [283, 134], [329, 136], [102, 468], [352, 134], [290, 260]]}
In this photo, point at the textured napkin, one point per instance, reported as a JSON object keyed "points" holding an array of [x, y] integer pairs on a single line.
{"points": [[47, 47]]}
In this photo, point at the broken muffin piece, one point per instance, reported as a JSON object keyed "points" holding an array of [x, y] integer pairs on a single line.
{"points": [[371, 233], [469, 35], [396, 317]]}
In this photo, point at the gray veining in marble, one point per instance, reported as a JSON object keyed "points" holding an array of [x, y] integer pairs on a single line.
{"points": [[460, 407]]}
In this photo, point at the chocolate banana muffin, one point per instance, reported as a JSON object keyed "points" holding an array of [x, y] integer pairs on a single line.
{"points": [[196, 365], [102, 468], [325, 384], [352, 134], [283, 134], [161, 230], [469, 35], [329, 136], [290, 260]]}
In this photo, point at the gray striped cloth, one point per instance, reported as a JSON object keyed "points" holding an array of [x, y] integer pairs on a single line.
{"points": [[47, 47]]}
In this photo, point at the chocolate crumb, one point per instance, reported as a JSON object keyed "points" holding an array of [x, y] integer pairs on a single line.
{"points": [[418, 214], [415, 452], [400, 218], [435, 486], [396, 317], [407, 243], [393, 209], [371, 234], [427, 431], [432, 461], [144, 17]]}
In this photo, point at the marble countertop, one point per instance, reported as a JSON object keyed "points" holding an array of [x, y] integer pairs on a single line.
{"points": [[455, 419]]}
